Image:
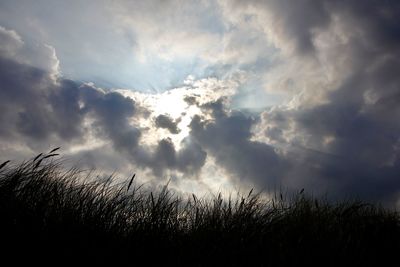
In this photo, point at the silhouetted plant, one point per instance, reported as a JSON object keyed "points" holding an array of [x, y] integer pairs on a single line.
{"points": [[48, 212]]}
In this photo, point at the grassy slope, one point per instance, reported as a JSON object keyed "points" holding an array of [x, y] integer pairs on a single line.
{"points": [[47, 214]]}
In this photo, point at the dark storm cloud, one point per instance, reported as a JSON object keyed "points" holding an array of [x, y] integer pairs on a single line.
{"points": [[38, 109], [166, 122], [32, 105], [297, 20], [360, 117], [189, 159], [227, 138], [36, 106], [365, 140], [112, 112], [378, 19]]}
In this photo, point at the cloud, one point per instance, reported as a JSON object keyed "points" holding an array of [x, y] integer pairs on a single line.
{"points": [[32, 104], [294, 22], [227, 137], [36, 106], [112, 112], [165, 158], [345, 142], [10, 41], [39, 56], [166, 122], [38, 110], [83, 34], [41, 111], [333, 65]]}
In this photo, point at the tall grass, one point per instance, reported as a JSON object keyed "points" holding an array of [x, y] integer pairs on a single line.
{"points": [[49, 213]]}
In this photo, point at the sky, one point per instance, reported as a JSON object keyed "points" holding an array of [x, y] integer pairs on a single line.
{"points": [[211, 95]]}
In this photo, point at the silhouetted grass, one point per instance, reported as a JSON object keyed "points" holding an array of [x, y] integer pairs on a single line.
{"points": [[52, 215]]}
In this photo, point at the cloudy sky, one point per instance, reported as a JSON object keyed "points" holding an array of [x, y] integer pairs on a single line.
{"points": [[214, 95]]}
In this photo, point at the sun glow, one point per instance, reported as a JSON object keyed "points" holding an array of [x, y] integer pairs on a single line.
{"points": [[175, 105], [171, 103]]}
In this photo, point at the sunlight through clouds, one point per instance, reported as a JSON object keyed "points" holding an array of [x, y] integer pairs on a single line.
{"points": [[175, 104], [210, 94]]}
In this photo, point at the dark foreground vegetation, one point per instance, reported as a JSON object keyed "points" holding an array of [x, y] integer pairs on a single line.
{"points": [[49, 215]]}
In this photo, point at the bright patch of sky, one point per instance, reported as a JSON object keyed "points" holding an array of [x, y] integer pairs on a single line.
{"points": [[173, 104]]}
